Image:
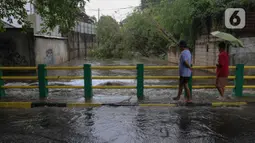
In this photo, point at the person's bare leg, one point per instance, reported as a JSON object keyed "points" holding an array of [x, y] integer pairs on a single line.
{"points": [[221, 91], [179, 93], [186, 86]]}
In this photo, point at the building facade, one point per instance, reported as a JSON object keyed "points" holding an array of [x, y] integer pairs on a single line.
{"points": [[35, 47]]}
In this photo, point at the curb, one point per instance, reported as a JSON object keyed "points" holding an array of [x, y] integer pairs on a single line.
{"points": [[27, 105]]}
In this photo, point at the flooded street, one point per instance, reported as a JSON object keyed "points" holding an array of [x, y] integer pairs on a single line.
{"points": [[128, 125], [124, 124], [77, 95]]}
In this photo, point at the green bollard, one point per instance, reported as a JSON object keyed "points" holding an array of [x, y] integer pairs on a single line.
{"points": [[239, 80], [87, 81], [2, 92], [190, 86], [140, 81], [43, 82]]}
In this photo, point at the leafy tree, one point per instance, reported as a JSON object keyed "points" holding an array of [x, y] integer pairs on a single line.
{"points": [[109, 37], [144, 30], [62, 13], [143, 36]]}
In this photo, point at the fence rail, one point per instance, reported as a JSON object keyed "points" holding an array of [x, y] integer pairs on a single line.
{"points": [[43, 79]]}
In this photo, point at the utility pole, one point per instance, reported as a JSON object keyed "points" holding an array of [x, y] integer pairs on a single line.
{"points": [[97, 22]]}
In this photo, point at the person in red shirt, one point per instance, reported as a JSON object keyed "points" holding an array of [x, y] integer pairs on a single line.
{"points": [[222, 71]]}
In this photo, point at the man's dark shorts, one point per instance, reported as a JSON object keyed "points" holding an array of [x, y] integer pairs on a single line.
{"points": [[184, 80]]}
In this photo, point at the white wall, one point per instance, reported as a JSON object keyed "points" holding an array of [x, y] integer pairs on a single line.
{"points": [[51, 51], [38, 27]]}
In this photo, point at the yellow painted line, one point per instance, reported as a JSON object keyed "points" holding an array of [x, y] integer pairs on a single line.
{"points": [[160, 67], [63, 77], [160, 87], [111, 77], [203, 77], [114, 77], [249, 67], [77, 105], [113, 67], [15, 104], [249, 86], [19, 77], [114, 87], [18, 68], [228, 103], [249, 77], [209, 86], [21, 87], [161, 77], [64, 68], [203, 86], [157, 105], [210, 77], [232, 67], [65, 87], [125, 87], [204, 67]]}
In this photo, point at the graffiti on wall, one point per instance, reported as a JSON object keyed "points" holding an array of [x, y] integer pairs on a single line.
{"points": [[11, 57], [49, 58]]}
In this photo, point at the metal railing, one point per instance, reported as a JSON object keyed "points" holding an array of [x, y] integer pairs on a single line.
{"points": [[43, 79]]}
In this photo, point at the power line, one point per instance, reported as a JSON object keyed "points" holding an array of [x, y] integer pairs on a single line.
{"points": [[114, 9], [145, 4]]}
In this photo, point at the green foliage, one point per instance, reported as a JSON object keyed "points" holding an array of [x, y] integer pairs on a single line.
{"points": [[13, 9], [62, 13], [141, 32], [110, 38], [143, 36]]}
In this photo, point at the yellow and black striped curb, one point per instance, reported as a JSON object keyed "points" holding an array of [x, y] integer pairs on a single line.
{"points": [[84, 105]]}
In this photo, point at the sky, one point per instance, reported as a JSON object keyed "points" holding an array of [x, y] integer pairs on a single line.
{"points": [[118, 9]]}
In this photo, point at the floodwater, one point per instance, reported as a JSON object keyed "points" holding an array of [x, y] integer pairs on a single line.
{"points": [[128, 125], [124, 124]]}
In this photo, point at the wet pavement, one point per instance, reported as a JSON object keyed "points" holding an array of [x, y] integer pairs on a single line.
{"points": [[128, 125], [124, 124]]}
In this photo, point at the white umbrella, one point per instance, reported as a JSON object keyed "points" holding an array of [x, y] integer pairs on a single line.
{"points": [[227, 37]]}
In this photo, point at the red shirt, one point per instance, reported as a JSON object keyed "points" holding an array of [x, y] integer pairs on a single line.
{"points": [[223, 61]]}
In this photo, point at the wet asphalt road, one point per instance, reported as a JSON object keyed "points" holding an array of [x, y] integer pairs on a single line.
{"points": [[128, 125], [123, 124]]}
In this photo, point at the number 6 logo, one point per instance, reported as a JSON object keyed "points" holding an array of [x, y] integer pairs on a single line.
{"points": [[235, 18]]}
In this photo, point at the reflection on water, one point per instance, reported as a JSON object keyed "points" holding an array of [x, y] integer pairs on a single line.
{"points": [[128, 124]]}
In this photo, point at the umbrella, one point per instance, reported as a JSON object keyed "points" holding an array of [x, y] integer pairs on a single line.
{"points": [[227, 37]]}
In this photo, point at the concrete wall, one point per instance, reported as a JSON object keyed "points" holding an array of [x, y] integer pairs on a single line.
{"points": [[244, 55], [78, 43], [173, 55], [36, 21], [16, 48], [206, 53], [51, 51]]}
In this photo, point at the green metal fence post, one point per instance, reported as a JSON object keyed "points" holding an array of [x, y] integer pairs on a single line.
{"points": [[239, 80], [2, 92], [190, 85], [87, 81], [140, 81], [43, 82]]}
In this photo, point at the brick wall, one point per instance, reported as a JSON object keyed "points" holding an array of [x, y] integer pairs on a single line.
{"points": [[205, 53], [173, 55]]}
